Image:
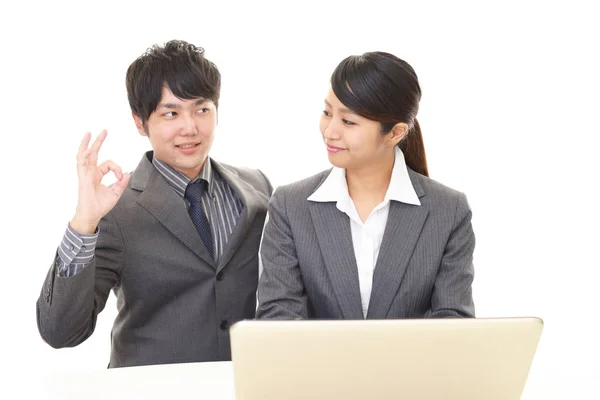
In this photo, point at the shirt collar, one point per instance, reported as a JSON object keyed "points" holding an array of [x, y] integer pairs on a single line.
{"points": [[335, 186], [179, 181]]}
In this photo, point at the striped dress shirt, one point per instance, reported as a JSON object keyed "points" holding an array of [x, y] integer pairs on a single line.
{"points": [[220, 204]]}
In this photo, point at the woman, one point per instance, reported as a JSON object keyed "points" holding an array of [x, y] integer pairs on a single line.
{"points": [[373, 237]]}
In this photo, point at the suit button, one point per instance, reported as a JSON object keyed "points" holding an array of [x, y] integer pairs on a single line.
{"points": [[224, 325], [220, 276]]}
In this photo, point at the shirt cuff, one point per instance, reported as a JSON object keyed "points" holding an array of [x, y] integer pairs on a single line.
{"points": [[75, 248]]}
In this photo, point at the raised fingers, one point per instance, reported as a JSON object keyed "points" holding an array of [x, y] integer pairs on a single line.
{"points": [[83, 146], [95, 148]]}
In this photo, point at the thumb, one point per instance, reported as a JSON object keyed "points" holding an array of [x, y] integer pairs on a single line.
{"points": [[119, 186]]}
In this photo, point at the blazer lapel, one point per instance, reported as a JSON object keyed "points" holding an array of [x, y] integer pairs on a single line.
{"points": [[252, 201], [335, 240], [403, 228], [161, 200]]}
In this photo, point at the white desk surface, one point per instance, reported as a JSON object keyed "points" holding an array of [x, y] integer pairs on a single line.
{"points": [[214, 381]]}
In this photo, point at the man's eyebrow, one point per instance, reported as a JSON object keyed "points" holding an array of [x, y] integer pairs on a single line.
{"points": [[169, 105], [177, 106]]}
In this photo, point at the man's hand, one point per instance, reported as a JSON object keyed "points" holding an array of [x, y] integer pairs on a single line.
{"points": [[95, 200]]}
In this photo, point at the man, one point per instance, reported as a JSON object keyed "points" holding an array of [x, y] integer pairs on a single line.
{"points": [[177, 240]]}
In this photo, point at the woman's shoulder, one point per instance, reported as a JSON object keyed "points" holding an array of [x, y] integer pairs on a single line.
{"points": [[306, 185], [431, 190], [300, 190]]}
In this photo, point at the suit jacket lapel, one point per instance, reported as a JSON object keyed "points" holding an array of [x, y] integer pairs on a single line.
{"points": [[335, 240], [403, 228], [252, 201], [161, 200]]}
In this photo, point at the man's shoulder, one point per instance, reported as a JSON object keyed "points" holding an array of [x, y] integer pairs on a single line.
{"points": [[244, 173], [250, 176]]}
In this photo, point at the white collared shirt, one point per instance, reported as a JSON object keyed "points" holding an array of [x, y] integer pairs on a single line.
{"points": [[367, 236]]}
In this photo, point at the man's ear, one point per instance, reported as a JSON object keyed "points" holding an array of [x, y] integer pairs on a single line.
{"points": [[139, 125]]}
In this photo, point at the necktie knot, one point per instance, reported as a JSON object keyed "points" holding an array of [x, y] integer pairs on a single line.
{"points": [[195, 190]]}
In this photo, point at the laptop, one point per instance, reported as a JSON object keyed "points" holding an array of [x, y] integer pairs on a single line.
{"points": [[450, 359]]}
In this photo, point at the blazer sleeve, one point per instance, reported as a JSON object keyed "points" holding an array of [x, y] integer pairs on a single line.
{"points": [[269, 186], [68, 307], [452, 293], [281, 293]]}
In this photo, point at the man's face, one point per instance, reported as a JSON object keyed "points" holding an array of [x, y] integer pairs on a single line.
{"points": [[181, 132]]}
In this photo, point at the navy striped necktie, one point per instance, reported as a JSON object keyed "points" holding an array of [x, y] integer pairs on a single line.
{"points": [[193, 193]]}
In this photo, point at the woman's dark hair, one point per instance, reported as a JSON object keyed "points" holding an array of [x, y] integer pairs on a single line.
{"points": [[381, 87], [180, 66]]}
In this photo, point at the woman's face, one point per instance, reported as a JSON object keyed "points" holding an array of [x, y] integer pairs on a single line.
{"points": [[352, 141]]}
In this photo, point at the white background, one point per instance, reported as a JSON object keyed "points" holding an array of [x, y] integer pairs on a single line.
{"points": [[509, 113]]}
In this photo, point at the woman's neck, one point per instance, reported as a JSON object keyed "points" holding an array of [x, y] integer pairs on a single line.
{"points": [[372, 181]]}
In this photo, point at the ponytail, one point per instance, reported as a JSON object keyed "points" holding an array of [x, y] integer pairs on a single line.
{"points": [[414, 150]]}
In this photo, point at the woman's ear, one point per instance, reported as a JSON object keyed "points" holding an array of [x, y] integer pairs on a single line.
{"points": [[397, 134]]}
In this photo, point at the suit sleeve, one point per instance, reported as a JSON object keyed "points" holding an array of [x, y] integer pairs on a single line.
{"points": [[281, 293], [268, 184], [68, 306], [452, 293]]}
